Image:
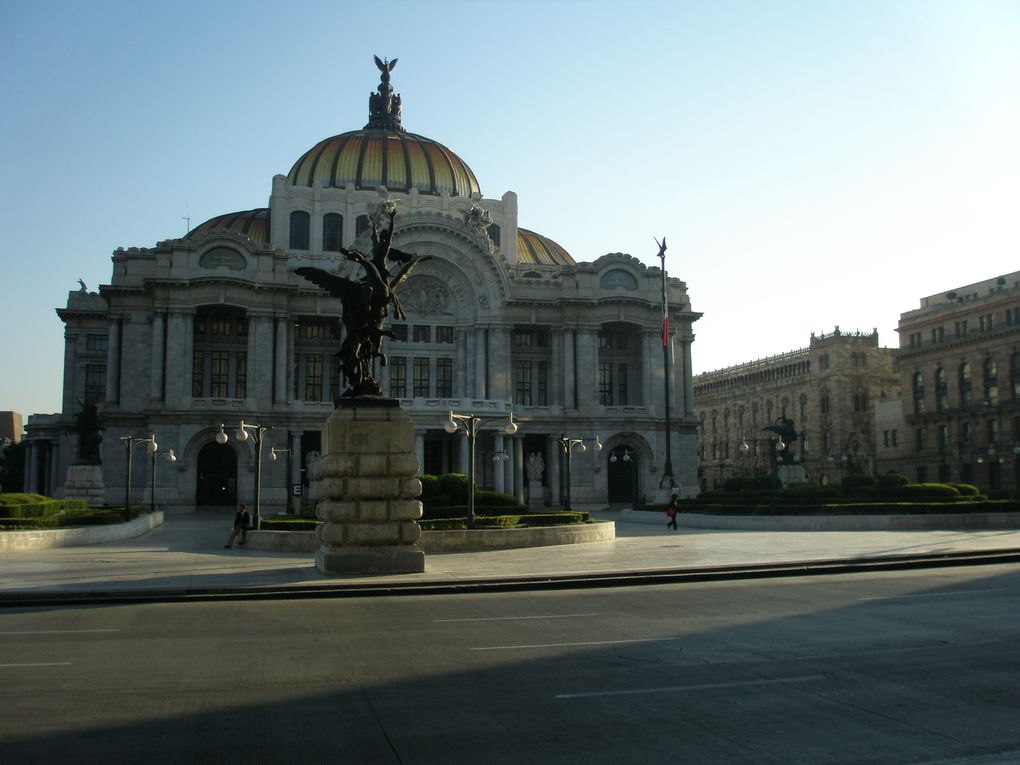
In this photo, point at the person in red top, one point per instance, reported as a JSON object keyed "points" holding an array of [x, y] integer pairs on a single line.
{"points": [[242, 522], [671, 511]]}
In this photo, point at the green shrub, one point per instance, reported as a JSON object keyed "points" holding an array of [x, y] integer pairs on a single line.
{"points": [[43, 508], [19, 498], [966, 489], [856, 481], [927, 491], [891, 480], [456, 486], [289, 523], [430, 486]]}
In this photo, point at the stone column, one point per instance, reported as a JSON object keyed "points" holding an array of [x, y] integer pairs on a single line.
{"points": [[113, 362], [518, 463], [280, 359], [556, 370], [569, 399], [688, 379], [419, 447], [480, 386], [651, 342], [295, 467], [552, 471], [158, 357], [498, 466], [499, 363], [587, 368], [460, 365], [31, 467], [368, 493], [260, 354]]}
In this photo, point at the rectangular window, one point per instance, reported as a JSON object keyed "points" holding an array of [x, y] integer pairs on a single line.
{"points": [[399, 332], [542, 386], [919, 439], [241, 375], [961, 328], [542, 338], [219, 374], [422, 334], [1013, 316], [421, 378], [332, 232], [444, 334], [943, 437], [197, 383], [621, 382], [444, 378], [986, 323], [523, 338], [606, 384], [522, 383], [313, 377], [96, 343], [886, 438], [967, 433], [398, 376], [95, 382], [221, 324], [894, 437]]}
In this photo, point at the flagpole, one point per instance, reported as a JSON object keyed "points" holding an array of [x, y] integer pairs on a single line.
{"points": [[667, 347]]}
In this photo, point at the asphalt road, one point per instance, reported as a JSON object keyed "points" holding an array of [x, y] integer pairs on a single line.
{"points": [[905, 667]]}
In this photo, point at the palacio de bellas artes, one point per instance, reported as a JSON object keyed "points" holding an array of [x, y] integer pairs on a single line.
{"points": [[194, 336]]}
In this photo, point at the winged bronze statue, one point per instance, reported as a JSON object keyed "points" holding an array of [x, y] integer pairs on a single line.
{"points": [[366, 302]]}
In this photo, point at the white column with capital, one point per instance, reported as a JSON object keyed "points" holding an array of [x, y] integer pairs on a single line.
{"points": [[498, 467], [480, 386], [158, 356], [569, 399], [280, 359], [113, 362]]}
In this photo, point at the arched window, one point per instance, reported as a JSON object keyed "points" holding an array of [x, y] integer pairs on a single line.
{"points": [[966, 397], [803, 408], [991, 380], [332, 232], [918, 393], [941, 391], [300, 227]]}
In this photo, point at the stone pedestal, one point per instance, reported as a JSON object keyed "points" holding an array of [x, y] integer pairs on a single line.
{"points": [[367, 491], [787, 474], [536, 494], [85, 482]]}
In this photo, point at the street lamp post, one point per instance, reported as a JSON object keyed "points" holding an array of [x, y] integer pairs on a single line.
{"points": [[568, 445], [129, 443], [171, 458], [470, 424], [245, 431]]}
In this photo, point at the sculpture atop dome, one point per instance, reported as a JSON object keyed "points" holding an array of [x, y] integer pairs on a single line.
{"points": [[384, 107]]}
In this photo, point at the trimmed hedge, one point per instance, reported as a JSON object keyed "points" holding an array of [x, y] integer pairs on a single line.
{"points": [[289, 523], [18, 498], [81, 517], [42, 509], [566, 518]]}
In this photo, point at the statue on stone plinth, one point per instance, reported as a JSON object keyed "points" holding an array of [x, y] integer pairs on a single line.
{"points": [[784, 428], [366, 302]]}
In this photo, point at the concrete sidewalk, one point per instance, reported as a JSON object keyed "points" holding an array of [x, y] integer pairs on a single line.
{"points": [[184, 558]]}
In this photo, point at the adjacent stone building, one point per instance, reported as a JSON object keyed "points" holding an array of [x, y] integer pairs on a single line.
{"points": [[829, 390], [215, 328], [959, 368]]}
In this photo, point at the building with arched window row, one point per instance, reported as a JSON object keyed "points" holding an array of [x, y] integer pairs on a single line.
{"points": [[214, 328]]}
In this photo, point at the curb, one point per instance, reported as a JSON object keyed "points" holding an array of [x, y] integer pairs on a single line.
{"points": [[555, 582]]}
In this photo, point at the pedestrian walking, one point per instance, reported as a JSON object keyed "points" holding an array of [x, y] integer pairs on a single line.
{"points": [[242, 522], [671, 511]]}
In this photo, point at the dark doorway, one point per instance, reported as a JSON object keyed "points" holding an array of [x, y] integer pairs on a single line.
{"points": [[217, 476], [622, 474]]}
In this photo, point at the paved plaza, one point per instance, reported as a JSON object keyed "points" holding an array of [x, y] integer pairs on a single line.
{"points": [[185, 557]]}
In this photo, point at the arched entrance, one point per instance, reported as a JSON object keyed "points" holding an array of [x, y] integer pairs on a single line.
{"points": [[217, 476], [622, 474]]}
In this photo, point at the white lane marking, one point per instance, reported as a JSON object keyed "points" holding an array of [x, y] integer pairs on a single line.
{"points": [[936, 594], [511, 618], [38, 664], [570, 645], [54, 632], [680, 688]]}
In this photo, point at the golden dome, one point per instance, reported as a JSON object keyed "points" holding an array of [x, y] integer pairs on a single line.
{"points": [[535, 248]]}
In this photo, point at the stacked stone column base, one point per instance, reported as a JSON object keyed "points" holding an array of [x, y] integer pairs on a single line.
{"points": [[368, 492], [85, 482]]}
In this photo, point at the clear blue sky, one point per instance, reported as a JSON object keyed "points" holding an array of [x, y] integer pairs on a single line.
{"points": [[810, 163]]}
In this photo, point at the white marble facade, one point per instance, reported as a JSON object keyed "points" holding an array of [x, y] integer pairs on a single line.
{"points": [[215, 327]]}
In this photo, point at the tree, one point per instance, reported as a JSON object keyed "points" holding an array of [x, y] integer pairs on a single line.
{"points": [[12, 467]]}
